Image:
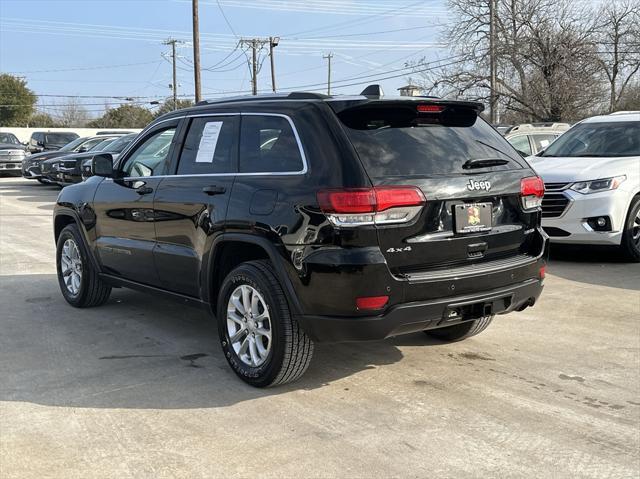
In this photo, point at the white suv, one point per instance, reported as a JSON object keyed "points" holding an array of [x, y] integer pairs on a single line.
{"points": [[592, 182]]}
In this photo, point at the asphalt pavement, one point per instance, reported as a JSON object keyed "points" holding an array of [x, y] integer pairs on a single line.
{"points": [[139, 388]]}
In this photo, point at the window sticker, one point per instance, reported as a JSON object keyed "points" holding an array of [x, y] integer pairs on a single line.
{"points": [[208, 142]]}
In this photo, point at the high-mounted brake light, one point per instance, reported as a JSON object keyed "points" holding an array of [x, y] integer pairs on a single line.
{"points": [[430, 108], [366, 206], [531, 191]]}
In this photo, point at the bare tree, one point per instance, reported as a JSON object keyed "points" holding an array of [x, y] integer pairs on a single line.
{"points": [[546, 60], [617, 33], [72, 114]]}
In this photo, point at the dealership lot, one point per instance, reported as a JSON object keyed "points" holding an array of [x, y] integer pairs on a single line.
{"points": [[139, 387]]}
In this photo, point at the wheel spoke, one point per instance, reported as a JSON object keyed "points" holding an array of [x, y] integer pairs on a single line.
{"points": [[233, 316], [262, 351], [236, 337], [243, 347], [264, 332], [253, 351], [238, 304], [246, 298]]}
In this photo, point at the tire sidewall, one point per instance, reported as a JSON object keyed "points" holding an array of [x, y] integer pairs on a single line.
{"points": [[264, 374], [71, 232], [630, 247]]}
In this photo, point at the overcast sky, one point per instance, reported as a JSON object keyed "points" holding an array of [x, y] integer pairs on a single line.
{"points": [[114, 47]]}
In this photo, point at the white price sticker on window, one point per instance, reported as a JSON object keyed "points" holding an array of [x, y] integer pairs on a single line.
{"points": [[208, 142]]}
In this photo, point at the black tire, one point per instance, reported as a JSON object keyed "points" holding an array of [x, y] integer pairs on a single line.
{"points": [[92, 290], [290, 348], [461, 331], [630, 244]]}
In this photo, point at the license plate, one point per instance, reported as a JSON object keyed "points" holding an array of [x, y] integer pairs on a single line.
{"points": [[473, 218]]}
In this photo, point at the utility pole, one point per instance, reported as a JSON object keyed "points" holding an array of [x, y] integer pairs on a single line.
{"points": [[255, 44], [328, 57], [492, 61], [174, 85], [196, 50], [273, 42]]}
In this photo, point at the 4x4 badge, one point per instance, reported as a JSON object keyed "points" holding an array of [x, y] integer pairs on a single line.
{"points": [[474, 185]]}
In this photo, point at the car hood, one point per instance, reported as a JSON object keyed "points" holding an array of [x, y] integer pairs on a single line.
{"points": [[569, 169], [47, 155], [11, 146]]}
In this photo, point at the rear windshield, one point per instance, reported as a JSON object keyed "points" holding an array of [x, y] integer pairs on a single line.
{"points": [[398, 142], [60, 138]]}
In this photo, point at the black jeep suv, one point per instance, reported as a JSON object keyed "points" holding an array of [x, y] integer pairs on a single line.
{"points": [[302, 217]]}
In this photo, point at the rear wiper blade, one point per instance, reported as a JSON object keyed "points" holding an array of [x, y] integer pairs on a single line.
{"points": [[484, 163]]}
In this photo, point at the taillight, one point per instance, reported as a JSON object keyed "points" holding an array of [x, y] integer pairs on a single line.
{"points": [[367, 206], [531, 191]]}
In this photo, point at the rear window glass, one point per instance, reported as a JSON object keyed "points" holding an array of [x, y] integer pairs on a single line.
{"points": [[62, 138], [396, 141]]}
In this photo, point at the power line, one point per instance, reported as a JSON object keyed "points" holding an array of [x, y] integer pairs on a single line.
{"points": [[97, 67]]}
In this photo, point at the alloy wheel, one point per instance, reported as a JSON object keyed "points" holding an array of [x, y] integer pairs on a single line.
{"points": [[249, 325], [635, 230], [71, 266]]}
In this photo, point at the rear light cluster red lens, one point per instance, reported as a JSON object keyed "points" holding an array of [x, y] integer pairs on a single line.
{"points": [[531, 191], [379, 205]]}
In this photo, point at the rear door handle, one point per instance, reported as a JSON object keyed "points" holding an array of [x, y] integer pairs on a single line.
{"points": [[144, 190], [214, 190]]}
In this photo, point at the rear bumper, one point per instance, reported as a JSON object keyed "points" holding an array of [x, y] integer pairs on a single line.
{"points": [[422, 315]]}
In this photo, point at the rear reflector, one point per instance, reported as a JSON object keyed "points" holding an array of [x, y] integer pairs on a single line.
{"points": [[371, 302], [543, 272], [430, 108], [380, 204], [532, 191]]}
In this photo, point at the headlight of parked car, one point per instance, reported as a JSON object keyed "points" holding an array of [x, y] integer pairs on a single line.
{"points": [[595, 186]]}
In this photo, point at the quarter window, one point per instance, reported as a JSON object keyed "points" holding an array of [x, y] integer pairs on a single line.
{"points": [[210, 146], [521, 143], [150, 158], [268, 144]]}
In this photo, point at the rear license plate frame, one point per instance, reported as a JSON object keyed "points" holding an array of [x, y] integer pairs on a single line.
{"points": [[473, 217]]}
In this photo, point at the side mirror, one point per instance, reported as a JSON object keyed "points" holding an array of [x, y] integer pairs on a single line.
{"points": [[40, 143], [540, 152], [523, 154], [82, 149], [102, 165]]}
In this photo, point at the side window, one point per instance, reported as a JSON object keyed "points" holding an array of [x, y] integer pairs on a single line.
{"points": [[210, 146], [268, 144], [521, 143], [151, 157], [542, 141]]}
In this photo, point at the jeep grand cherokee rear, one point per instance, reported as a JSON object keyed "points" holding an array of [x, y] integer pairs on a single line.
{"points": [[446, 235], [305, 218]]}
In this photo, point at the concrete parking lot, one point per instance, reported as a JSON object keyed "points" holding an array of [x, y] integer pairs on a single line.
{"points": [[139, 388]]}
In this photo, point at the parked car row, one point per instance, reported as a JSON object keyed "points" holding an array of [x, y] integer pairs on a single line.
{"points": [[59, 167]]}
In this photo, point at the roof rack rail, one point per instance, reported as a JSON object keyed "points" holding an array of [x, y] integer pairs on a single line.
{"points": [[296, 95]]}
